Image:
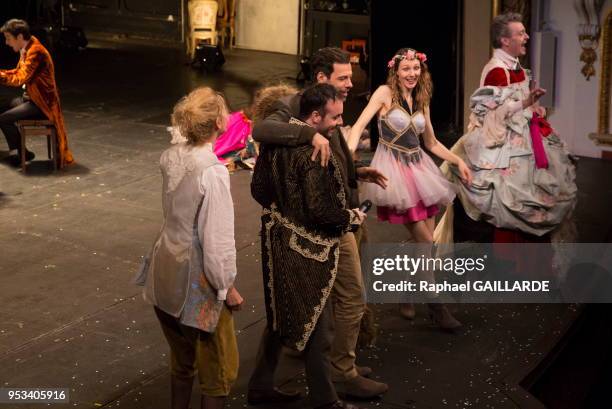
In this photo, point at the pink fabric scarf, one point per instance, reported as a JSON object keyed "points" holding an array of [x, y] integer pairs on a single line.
{"points": [[536, 141], [235, 137]]}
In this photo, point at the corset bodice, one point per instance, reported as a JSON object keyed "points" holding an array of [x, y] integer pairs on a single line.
{"points": [[398, 127]]}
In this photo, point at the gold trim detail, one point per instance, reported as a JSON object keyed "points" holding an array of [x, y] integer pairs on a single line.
{"points": [[603, 137], [325, 292], [270, 282], [295, 121], [411, 125], [603, 126], [306, 253], [340, 195], [410, 151], [315, 238], [309, 327], [496, 6]]}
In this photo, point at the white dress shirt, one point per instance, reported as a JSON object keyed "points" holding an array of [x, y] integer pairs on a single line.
{"points": [[216, 227]]}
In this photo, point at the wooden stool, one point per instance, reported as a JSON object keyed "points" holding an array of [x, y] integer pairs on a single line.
{"points": [[38, 127]]}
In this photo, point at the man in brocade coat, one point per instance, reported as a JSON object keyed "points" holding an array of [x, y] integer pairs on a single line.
{"points": [[304, 216], [331, 65]]}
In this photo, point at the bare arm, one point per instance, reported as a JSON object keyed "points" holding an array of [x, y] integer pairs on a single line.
{"points": [[441, 151], [433, 145], [380, 98]]}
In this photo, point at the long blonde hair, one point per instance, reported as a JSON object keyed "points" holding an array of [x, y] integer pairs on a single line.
{"points": [[195, 115], [424, 89]]}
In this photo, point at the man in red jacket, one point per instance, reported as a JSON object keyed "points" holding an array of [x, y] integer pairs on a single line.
{"points": [[523, 187], [510, 38], [35, 73]]}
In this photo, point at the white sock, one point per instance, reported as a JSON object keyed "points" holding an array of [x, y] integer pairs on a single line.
{"points": [[13, 152]]}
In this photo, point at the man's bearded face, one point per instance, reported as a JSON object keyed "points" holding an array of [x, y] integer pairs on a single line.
{"points": [[332, 117]]}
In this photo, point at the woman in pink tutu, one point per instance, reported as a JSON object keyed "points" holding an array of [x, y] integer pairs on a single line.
{"points": [[416, 186]]}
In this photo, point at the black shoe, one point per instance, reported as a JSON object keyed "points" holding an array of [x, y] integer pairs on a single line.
{"points": [[15, 160], [338, 405], [257, 397]]}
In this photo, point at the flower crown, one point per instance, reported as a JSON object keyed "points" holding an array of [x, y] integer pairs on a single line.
{"points": [[408, 55]]}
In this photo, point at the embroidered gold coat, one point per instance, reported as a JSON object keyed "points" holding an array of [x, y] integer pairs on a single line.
{"points": [[303, 218], [35, 69]]}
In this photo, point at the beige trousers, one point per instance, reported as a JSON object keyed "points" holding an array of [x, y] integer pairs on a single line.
{"points": [[214, 357], [349, 305]]}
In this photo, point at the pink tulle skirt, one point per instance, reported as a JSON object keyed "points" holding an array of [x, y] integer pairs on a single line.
{"points": [[414, 214], [415, 188]]}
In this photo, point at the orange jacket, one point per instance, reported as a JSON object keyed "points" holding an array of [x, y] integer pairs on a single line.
{"points": [[35, 69]]}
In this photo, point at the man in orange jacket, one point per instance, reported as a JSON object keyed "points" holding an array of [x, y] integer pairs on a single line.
{"points": [[36, 74]]}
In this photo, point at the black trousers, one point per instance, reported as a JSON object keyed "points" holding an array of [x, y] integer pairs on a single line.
{"points": [[316, 356], [14, 111]]}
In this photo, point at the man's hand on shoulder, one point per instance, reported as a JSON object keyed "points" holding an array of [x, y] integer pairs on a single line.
{"points": [[321, 146]]}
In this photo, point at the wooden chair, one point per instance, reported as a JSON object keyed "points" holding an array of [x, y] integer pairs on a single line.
{"points": [[202, 23], [226, 22], [38, 127]]}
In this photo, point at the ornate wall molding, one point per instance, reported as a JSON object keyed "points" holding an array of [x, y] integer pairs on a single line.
{"points": [[603, 136], [588, 12]]}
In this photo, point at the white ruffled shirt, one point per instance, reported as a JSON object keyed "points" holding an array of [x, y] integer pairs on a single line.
{"points": [[216, 227], [512, 63]]}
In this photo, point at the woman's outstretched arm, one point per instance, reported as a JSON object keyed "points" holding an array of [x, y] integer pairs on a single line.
{"points": [[380, 98], [442, 152]]}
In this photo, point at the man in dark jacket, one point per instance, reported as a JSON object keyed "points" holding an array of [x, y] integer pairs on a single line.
{"points": [[332, 66], [304, 217]]}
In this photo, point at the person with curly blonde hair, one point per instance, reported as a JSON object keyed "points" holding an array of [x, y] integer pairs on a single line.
{"points": [[266, 98], [189, 274], [416, 186]]}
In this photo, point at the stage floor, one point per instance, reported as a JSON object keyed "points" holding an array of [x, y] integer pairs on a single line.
{"points": [[71, 242]]}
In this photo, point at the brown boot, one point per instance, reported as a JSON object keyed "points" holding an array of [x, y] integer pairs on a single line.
{"points": [[361, 388], [363, 370], [180, 392], [441, 316], [407, 311], [213, 402]]}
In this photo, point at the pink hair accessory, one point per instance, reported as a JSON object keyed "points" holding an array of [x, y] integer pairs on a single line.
{"points": [[408, 55]]}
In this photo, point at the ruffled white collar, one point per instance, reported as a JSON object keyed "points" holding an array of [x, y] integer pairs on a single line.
{"points": [[509, 61]]}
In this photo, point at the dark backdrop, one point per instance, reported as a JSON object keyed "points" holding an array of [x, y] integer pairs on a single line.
{"points": [[147, 19], [432, 27], [158, 20]]}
